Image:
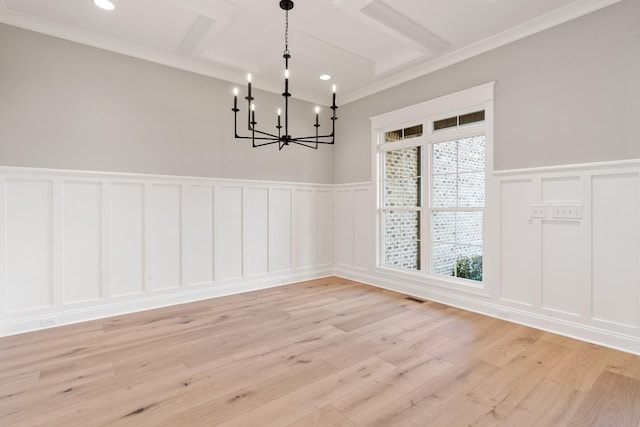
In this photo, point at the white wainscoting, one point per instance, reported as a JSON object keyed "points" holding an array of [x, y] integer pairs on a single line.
{"points": [[76, 245], [578, 276]]}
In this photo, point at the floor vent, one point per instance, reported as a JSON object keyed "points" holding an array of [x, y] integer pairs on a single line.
{"points": [[414, 299]]}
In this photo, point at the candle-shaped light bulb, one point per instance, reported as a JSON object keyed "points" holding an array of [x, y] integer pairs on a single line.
{"points": [[235, 98], [249, 86], [286, 81], [317, 115], [249, 77], [279, 113], [333, 103], [253, 112]]}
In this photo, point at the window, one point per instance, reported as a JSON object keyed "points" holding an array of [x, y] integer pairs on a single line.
{"points": [[431, 185]]}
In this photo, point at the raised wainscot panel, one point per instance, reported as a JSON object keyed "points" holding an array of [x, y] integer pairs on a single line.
{"points": [[127, 239], [165, 236], [561, 189], [615, 270], [198, 234], [303, 232], [257, 226], [561, 266], [228, 233], [324, 228], [82, 235], [344, 228], [362, 229], [280, 230], [29, 251], [516, 242]]}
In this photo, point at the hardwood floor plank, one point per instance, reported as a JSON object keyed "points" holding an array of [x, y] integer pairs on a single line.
{"points": [[549, 404], [463, 412], [503, 350], [624, 364], [581, 368], [323, 417], [49, 394], [614, 400], [502, 392], [366, 406], [426, 402]]}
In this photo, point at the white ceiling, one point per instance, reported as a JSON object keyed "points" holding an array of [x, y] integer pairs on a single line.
{"points": [[366, 45]]}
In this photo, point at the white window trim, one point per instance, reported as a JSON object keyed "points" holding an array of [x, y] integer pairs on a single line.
{"points": [[473, 99]]}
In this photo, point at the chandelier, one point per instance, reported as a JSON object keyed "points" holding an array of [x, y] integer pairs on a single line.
{"points": [[261, 138]]}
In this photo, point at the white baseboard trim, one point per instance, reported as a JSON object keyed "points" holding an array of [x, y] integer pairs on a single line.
{"points": [[150, 302], [486, 307]]}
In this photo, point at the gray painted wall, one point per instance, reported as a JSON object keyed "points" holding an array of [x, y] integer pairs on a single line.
{"points": [[568, 95], [70, 106]]}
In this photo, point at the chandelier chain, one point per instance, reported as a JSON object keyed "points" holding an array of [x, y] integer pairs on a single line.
{"points": [[286, 33]]}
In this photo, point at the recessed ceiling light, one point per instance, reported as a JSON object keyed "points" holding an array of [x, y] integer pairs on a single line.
{"points": [[104, 4], [325, 77]]}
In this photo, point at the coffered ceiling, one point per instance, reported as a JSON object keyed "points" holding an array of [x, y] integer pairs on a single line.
{"points": [[365, 45]]}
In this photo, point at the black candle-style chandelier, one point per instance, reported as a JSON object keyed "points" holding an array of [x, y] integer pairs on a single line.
{"points": [[260, 138]]}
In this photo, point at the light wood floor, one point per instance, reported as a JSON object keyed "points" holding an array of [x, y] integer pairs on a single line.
{"points": [[328, 352]]}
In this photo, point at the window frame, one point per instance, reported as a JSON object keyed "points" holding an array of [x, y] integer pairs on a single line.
{"points": [[425, 113]]}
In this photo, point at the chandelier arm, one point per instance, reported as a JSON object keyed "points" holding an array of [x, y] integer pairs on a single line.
{"points": [[259, 138], [267, 134], [271, 136], [308, 144], [312, 141], [315, 137], [235, 121], [264, 143]]}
